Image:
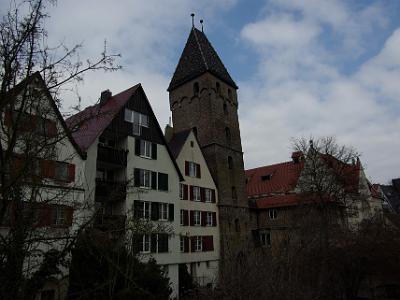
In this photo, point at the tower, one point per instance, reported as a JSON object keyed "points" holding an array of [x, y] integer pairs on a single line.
{"points": [[203, 97]]}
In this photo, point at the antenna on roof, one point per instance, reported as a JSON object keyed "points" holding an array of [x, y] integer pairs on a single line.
{"points": [[201, 22], [192, 15]]}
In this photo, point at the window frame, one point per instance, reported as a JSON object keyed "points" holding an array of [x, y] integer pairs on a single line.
{"points": [[192, 169], [197, 217], [198, 244], [208, 195], [196, 193], [273, 214], [209, 218], [143, 177], [146, 148], [146, 240], [182, 244], [163, 211]]}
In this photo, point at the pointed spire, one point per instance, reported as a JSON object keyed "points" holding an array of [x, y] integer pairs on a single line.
{"points": [[197, 58]]}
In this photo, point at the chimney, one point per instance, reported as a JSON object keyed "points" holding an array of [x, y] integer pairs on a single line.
{"points": [[169, 132], [105, 95], [297, 156]]}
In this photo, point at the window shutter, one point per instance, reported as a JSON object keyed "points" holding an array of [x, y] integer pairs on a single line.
{"points": [[155, 207], [192, 244], [214, 219], [191, 192], [162, 242], [198, 173], [71, 172], [208, 243], [48, 168], [185, 244], [138, 209], [136, 177], [137, 146], [154, 151], [163, 182], [202, 194], [170, 212], [186, 168], [153, 180], [192, 218], [153, 243], [69, 212], [213, 200], [185, 191], [203, 218], [185, 217]]}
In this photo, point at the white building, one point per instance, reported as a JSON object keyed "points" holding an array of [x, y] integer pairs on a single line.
{"points": [[199, 230]]}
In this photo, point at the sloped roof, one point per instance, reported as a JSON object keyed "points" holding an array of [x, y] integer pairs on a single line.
{"points": [[283, 178], [88, 124], [177, 141], [36, 76], [199, 57]]}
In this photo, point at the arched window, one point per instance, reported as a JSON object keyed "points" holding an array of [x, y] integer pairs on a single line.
{"points": [[228, 134], [225, 107], [230, 162], [196, 88], [234, 194]]}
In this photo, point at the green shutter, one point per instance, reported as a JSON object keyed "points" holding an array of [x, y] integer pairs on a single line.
{"points": [[154, 151], [170, 212], [163, 182]]}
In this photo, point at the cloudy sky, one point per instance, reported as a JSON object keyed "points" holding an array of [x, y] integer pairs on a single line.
{"points": [[303, 67]]}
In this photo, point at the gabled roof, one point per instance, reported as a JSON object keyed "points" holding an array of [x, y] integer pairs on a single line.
{"points": [[282, 178], [89, 123], [199, 57], [36, 76], [177, 142]]}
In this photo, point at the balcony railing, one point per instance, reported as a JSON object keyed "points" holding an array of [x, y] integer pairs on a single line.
{"points": [[105, 222], [110, 191], [112, 155]]}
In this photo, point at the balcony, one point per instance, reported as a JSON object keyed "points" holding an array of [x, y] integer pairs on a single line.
{"points": [[105, 222], [111, 155], [110, 191]]}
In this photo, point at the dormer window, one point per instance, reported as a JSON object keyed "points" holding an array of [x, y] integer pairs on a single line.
{"points": [[196, 89], [266, 177]]}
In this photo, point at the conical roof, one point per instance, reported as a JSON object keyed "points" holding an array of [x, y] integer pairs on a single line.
{"points": [[199, 57]]}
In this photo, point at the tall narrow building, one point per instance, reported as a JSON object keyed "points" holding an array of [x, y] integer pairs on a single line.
{"points": [[203, 97]]}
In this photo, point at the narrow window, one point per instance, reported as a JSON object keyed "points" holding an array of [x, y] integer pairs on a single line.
{"points": [[230, 163], [234, 194], [237, 225], [229, 94], [225, 107], [196, 89], [228, 134], [272, 214], [218, 87]]}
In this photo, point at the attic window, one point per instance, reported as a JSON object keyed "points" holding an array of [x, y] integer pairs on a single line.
{"points": [[191, 144], [266, 177]]}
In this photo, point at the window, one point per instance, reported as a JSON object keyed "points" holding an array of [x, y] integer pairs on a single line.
{"points": [[182, 217], [228, 134], [181, 191], [209, 218], [145, 244], [196, 193], [163, 212], [208, 195], [145, 148], [230, 163], [265, 238], [218, 87], [61, 171], [225, 108], [196, 89], [137, 119], [145, 178], [59, 216], [198, 244], [272, 214], [192, 169], [266, 177], [197, 218], [162, 243], [191, 144], [234, 194], [182, 243]]}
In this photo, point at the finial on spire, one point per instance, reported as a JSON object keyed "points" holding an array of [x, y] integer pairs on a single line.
{"points": [[201, 22], [192, 15]]}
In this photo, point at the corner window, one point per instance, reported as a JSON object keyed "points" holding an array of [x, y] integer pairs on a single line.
{"points": [[272, 214]]}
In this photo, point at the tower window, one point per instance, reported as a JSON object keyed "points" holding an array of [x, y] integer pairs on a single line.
{"points": [[196, 88], [230, 162], [225, 107], [237, 225], [234, 194], [218, 87], [230, 94], [228, 134]]}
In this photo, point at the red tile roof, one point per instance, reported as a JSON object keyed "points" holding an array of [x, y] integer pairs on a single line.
{"points": [[283, 179], [88, 124], [278, 201]]}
